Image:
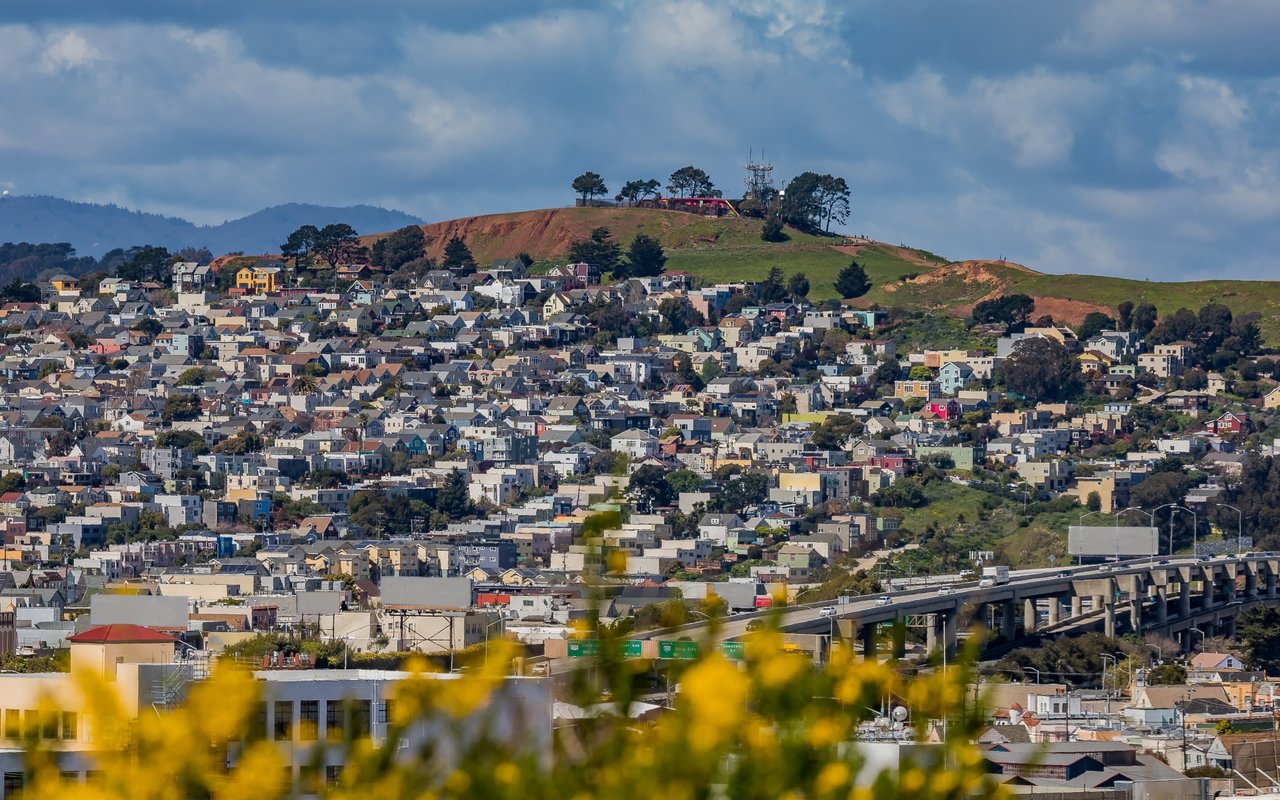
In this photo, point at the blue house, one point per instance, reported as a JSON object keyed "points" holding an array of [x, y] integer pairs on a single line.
{"points": [[954, 376]]}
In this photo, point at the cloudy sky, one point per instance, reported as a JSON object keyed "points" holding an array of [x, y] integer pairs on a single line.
{"points": [[1128, 137]]}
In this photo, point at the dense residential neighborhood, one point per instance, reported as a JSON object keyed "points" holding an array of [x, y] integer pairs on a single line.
{"points": [[294, 464]]}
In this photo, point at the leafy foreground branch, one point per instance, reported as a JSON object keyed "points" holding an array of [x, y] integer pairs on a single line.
{"points": [[772, 725]]}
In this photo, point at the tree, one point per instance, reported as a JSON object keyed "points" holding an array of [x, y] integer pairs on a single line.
{"points": [[146, 263], [833, 198], [453, 499], [150, 326], [18, 291], [1258, 629], [399, 248], [812, 201], [798, 287], [645, 257], [684, 480], [180, 408], [1167, 675], [772, 289], [599, 250], [1094, 323], [648, 488], [1093, 502], [634, 191], [711, 370], [1144, 320], [1011, 310], [852, 281], [675, 315], [457, 256], [589, 185], [1125, 314], [191, 377], [1040, 369], [772, 230], [691, 182], [332, 241], [300, 244]]}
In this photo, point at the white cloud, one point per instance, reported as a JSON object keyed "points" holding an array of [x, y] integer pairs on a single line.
{"points": [[68, 50], [1036, 113]]}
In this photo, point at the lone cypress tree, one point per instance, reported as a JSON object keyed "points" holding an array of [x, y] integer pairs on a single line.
{"points": [[853, 281]]}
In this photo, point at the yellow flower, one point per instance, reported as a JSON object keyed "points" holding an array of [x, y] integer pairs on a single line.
{"points": [[506, 773], [825, 731], [780, 669], [617, 561], [831, 777], [715, 693]]}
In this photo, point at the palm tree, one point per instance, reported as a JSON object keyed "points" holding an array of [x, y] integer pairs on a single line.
{"points": [[305, 384]]}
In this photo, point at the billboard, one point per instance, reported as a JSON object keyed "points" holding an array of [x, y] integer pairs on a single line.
{"points": [[1112, 541]]}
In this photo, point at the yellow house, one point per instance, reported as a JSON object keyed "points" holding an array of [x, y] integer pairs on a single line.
{"points": [[258, 280], [1271, 399], [65, 284]]}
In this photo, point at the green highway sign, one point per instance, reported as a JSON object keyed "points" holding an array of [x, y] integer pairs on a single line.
{"points": [[732, 650], [580, 648], [680, 650], [631, 648]]}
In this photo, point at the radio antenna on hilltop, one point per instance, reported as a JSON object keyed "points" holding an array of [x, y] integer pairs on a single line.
{"points": [[759, 180]]}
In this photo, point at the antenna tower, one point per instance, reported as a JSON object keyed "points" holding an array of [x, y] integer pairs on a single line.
{"points": [[760, 180]]}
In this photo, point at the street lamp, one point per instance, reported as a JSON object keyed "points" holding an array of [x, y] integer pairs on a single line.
{"points": [[1152, 518], [1239, 526], [1114, 669], [1036, 671], [1202, 637], [498, 621], [1195, 526], [1159, 651]]}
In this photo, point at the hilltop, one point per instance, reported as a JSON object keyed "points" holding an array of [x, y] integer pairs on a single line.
{"points": [[725, 249], [94, 229]]}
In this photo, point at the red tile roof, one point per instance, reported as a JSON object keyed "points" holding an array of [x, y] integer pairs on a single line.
{"points": [[121, 634]]}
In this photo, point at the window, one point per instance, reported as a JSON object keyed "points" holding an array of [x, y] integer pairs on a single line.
{"points": [[332, 774], [333, 719], [360, 718], [387, 712], [12, 723], [284, 719], [70, 726], [31, 722], [308, 719], [12, 784], [49, 725], [259, 721]]}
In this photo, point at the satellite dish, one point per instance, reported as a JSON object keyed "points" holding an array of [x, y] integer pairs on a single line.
{"points": [[900, 714]]}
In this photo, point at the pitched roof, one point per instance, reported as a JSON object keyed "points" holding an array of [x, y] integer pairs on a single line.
{"points": [[121, 634]]}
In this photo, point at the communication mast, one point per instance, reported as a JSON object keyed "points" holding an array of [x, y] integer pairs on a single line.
{"points": [[759, 181]]}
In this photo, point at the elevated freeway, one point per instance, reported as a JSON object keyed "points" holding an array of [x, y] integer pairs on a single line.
{"points": [[1180, 597]]}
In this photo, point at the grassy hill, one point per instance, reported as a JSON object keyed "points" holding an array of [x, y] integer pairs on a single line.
{"points": [[731, 250]]}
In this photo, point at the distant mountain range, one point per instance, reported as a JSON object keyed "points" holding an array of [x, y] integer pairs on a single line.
{"points": [[96, 229]]}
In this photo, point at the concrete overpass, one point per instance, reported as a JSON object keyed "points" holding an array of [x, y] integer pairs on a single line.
{"points": [[1180, 597]]}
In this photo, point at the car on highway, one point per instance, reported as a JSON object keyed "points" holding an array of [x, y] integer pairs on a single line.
{"points": [[1066, 573], [884, 600], [946, 590], [828, 611]]}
